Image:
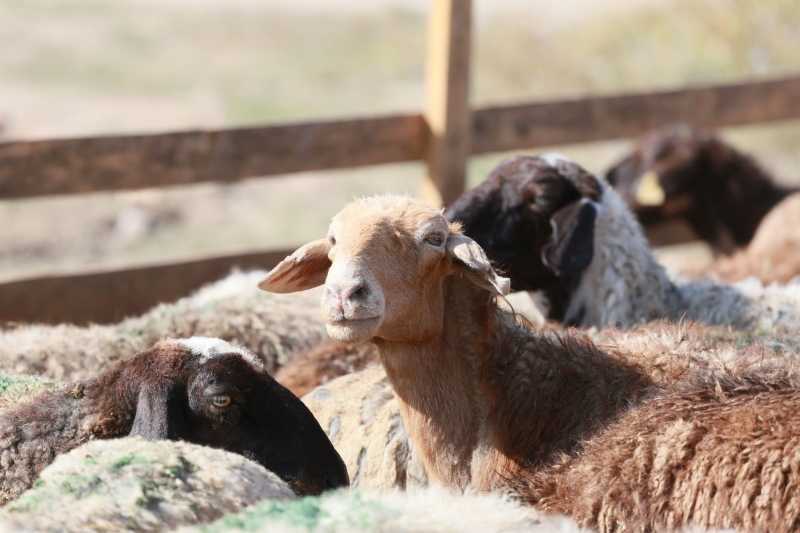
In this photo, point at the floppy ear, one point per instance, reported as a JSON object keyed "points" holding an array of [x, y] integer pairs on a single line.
{"points": [[160, 412], [571, 246], [479, 271], [304, 269]]}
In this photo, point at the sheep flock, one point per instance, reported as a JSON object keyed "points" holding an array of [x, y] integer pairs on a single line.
{"points": [[519, 361]]}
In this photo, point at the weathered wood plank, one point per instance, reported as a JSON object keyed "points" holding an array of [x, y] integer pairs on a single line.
{"points": [[65, 166], [68, 166], [596, 118], [110, 296], [447, 111]]}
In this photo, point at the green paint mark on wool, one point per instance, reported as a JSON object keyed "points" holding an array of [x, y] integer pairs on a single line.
{"points": [[9, 382], [307, 513]]}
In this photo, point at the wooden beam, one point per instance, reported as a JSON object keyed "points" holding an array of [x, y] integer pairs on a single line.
{"points": [[597, 118], [447, 111], [110, 296], [68, 166]]}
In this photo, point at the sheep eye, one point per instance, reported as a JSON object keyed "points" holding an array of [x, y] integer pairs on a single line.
{"points": [[434, 239], [221, 401], [332, 240]]}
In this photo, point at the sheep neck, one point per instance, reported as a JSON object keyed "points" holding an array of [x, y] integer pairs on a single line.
{"points": [[438, 384], [488, 396]]}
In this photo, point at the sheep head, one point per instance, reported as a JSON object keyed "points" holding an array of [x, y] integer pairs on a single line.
{"points": [[658, 178], [534, 216], [383, 265], [217, 395]]}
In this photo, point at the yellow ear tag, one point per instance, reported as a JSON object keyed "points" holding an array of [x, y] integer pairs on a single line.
{"points": [[649, 192]]}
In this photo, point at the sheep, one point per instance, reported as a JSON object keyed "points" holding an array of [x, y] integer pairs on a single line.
{"points": [[554, 227], [272, 328], [490, 404], [131, 484], [679, 172], [361, 415], [199, 389], [773, 255]]}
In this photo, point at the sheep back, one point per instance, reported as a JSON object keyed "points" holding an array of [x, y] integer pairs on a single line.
{"points": [[723, 451], [271, 326], [133, 484], [361, 416]]}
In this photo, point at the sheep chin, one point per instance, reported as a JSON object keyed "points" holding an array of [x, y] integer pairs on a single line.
{"points": [[353, 330]]}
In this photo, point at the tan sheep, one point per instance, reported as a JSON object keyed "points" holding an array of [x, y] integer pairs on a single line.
{"points": [[773, 256], [489, 404]]}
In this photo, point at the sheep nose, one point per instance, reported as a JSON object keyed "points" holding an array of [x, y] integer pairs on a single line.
{"points": [[346, 297]]}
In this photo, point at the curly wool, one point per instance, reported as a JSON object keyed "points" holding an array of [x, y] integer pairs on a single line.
{"points": [[624, 285], [270, 325]]}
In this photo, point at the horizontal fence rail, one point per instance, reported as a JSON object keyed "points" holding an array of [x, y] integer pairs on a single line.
{"points": [[601, 118], [112, 163], [110, 296]]}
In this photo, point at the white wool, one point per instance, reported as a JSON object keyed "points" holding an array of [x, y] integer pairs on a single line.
{"points": [[209, 347], [426, 510], [234, 284], [553, 158], [625, 285]]}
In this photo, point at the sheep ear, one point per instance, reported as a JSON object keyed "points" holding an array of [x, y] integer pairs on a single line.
{"points": [[306, 268], [160, 412], [471, 256], [571, 247]]}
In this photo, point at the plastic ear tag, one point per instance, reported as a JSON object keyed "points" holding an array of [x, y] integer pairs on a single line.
{"points": [[649, 191]]}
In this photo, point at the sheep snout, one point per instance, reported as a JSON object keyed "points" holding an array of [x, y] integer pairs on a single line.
{"points": [[353, 303]]}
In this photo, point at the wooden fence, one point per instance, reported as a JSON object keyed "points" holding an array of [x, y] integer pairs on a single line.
{"points": [[444, 136]]}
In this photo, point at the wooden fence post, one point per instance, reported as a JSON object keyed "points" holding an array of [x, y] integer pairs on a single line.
{"points": [[447, 110]]}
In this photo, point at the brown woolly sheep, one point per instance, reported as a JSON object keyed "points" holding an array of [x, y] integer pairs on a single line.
{"points": [[678, 172], [490, 404], [201, 390]]}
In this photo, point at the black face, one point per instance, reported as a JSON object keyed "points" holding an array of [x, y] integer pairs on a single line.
{"points": [[510, 214], [234, 407]]}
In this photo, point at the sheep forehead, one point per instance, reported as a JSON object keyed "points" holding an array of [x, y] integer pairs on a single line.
{"points": [[365, 218], [206, 348]]}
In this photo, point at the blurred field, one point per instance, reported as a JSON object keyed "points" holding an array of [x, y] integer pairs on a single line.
{"points": [[81, 67]]}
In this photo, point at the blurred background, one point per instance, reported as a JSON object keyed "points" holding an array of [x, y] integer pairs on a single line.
{"points": [[88, 67]]}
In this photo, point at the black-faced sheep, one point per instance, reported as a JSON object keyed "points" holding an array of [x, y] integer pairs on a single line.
{"points": [[490, 404], [199, 390], [683, 173], [554, 227]]}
